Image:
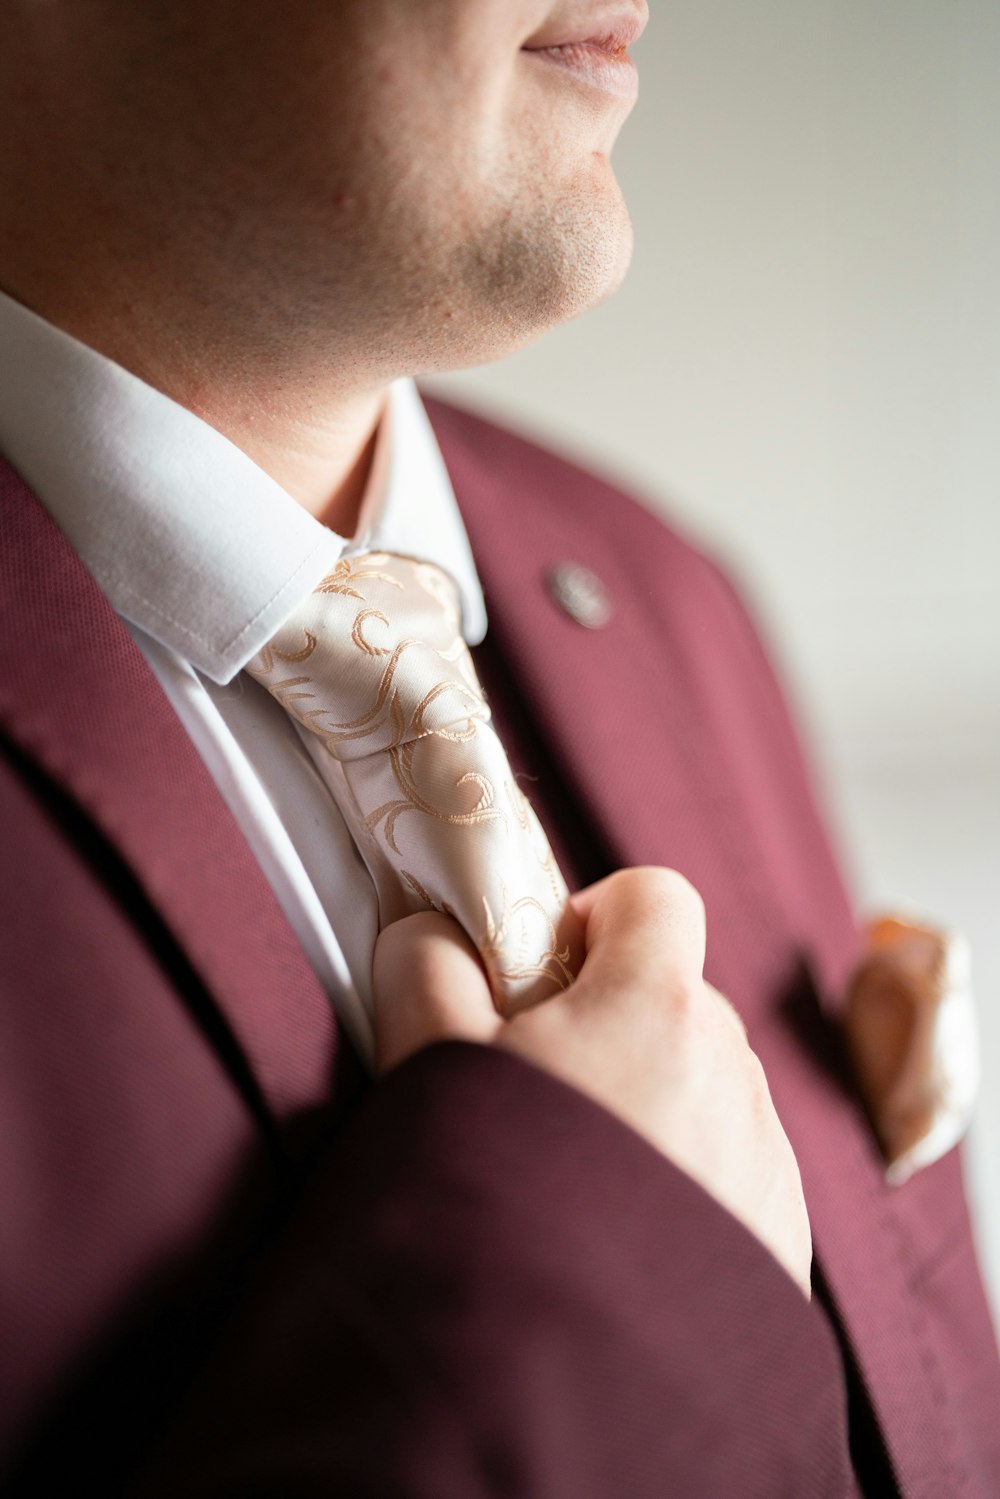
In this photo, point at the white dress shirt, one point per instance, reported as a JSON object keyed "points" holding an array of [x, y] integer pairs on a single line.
{"points": [[204, 556]]}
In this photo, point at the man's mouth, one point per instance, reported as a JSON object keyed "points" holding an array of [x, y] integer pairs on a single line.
{"points": [[593, 48]]}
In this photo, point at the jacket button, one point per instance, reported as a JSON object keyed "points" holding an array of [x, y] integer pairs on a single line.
{"points": [[579, 593]]}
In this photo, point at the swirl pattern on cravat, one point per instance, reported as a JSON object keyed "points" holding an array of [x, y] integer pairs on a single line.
{"points": [[373, 670]]}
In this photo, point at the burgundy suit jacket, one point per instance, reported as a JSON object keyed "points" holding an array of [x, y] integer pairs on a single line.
{"points": [[229, 1266]]}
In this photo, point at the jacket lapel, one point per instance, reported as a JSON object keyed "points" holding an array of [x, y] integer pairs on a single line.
{"points": [[78, 698], [654, 787], [659, 787]]}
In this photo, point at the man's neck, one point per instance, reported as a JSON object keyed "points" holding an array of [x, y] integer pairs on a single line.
{"points": [[321, 454], [315, 440]]}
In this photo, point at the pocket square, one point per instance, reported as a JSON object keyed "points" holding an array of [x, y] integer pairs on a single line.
{"points": [[910, 1027]]}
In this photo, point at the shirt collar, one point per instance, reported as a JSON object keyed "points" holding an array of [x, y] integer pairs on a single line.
{"points": [[188, 538]]}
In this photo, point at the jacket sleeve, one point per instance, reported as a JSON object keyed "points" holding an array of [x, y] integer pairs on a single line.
{"points": [[494, 1288]]}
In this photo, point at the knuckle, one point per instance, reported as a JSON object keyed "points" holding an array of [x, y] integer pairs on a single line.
{"points": [[684, 892], [657, 879], [663, 895], [674, 887], [685, 999]]}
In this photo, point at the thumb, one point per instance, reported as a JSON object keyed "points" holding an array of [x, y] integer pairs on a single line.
{"points": [[428, 985]]}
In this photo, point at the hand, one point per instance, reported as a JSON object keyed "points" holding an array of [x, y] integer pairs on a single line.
{"points": [[639, 1031]]}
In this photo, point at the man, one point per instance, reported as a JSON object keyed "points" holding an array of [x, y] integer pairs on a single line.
{"points": [[562, 1253]]}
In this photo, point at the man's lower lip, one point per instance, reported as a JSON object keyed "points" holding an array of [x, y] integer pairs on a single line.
{"points": [[612, 74]]}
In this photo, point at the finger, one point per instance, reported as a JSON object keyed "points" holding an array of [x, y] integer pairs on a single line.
{"points": [[643, 924], [583, 901], [428, 985], [730, 1012]]}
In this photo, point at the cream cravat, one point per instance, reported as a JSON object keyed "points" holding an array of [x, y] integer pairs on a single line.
{"points": [[373, 669]]}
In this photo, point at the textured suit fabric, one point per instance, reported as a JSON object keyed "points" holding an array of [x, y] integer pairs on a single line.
{"points": [[481, 1284], [670, 730]]}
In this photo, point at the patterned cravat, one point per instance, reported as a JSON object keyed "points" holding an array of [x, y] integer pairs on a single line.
{"points": [[373, 669]]}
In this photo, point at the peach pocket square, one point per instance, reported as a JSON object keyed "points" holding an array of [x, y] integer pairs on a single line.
{"points": [[910, 1027]]}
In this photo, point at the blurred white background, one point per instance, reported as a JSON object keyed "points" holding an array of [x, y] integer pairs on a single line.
{"points": [[804, 368]]}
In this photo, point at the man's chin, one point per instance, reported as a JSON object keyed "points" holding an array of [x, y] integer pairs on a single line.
{"points": [[543, 282], [590, 252], [620, 260], [589, 280]]}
